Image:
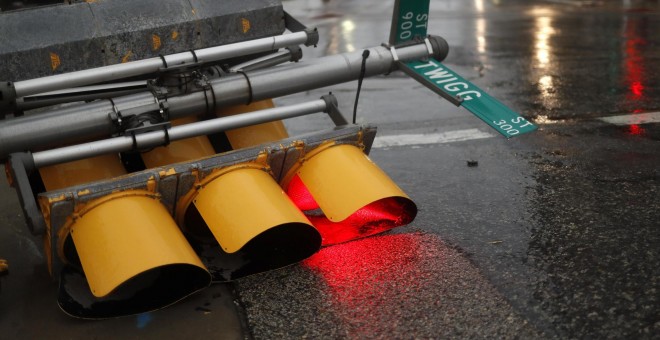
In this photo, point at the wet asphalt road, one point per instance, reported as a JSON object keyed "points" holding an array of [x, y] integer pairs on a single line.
{"points": [[554, 234], [561, 225]]}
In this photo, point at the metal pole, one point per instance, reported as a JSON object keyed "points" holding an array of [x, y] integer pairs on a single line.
{"points": [[153, 65], [281, 57], [79, 94], [88, 121], [160, 137]]}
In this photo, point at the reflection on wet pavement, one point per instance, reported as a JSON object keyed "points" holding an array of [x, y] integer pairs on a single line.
{"points": [[380, 287], [595, 204]]}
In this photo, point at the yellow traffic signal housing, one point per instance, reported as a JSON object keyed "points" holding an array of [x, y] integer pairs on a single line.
{"points": [[86, 170], [256, 134], [133, 255], [239, 213], [256, 225], [355, 198], [125, 243], [179, 151]]}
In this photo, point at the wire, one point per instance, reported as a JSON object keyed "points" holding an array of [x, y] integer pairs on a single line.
{"points": [[363, 70]]}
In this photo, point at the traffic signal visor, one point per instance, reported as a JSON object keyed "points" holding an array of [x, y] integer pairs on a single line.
{"points": [[255, 223], [237, 217], [133, 255], [127, 234], [345, 195]]}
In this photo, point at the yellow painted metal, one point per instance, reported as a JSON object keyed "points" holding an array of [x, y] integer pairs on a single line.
{"points": [[199, 147], [4, 266], [125, 234], [83, 171], [243, 202], [255, 134], [119, 236], [342, 180], [64, 175], [179, 151]]}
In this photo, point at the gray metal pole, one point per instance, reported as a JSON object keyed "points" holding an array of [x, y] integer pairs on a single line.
{"points": [[152, 65], [79, 94], [67, 125], [157, 138], [90, 121]]}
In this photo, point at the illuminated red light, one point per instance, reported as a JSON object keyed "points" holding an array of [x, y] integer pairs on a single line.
{"points": [[636, 130], [374, 218], [299, 194], [637, 88]]}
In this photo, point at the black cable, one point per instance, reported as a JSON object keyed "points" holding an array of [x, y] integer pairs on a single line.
{"points": [[363, 70], [194, 54], [162, 58]]}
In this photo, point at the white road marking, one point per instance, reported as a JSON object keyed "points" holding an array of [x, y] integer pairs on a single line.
{"points": [[633, 118], [431, 138], [578, 3], [472, 134]]}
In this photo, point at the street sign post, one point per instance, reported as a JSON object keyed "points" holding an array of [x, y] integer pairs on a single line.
{"points": [[410, 22]]}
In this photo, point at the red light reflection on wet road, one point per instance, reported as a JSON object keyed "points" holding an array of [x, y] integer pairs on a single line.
{"points": [[374, 218], [634, 61], [636, 130], [373, 277], [635, 68]]}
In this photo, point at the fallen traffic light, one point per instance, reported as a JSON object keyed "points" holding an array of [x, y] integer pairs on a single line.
{"points": [[345, 195], [125, 254], [229, 205], [233, 213], [238, 216], [255, 224]]}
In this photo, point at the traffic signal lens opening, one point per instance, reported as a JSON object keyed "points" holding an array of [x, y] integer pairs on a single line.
{"points": [[133, 256], [254, 224], [300, 195], [372, 219], [346, 196]]}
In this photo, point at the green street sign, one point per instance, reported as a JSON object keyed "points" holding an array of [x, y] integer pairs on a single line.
{"points": [[410, 20], [459, 91]]}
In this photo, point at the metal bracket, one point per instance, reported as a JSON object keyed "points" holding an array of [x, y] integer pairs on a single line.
{"points": [[149, 121], [159, 92], [202, 82], [173, 83], [296, 53], [7, 98], [141, 119], [148, 127], [429, 47], [293, 25], [395, 55], [20, 165], [333, 110]]}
